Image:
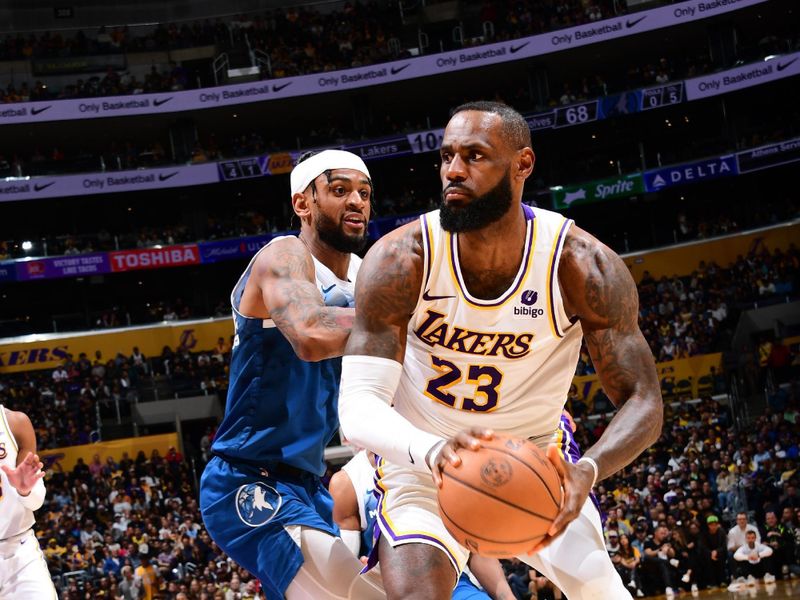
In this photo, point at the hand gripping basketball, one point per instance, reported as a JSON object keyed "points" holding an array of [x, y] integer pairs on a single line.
{"points": [[470, 439], [576, 480]]}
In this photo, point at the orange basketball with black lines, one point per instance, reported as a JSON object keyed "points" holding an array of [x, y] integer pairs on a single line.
{"points": [[502, 499]]}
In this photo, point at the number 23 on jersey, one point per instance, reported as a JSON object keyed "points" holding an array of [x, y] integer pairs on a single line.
{"points": [[486, 379]]}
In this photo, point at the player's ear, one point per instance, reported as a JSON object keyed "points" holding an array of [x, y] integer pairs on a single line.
{"points": [[524, 163], [301, 204]]}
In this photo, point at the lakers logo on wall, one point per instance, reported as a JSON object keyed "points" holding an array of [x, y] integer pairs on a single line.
{"points": [[257, 503]]}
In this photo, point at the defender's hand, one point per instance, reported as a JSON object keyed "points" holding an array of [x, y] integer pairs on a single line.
{"points": [[577, 483], [440, 456], [26, 474]]}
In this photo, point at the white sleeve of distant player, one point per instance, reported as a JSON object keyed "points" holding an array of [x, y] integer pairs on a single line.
{"points": [[367, 419], [34, 500]]}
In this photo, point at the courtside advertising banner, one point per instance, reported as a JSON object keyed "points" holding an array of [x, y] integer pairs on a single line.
{"points": [[401, 70], [31, 188]]}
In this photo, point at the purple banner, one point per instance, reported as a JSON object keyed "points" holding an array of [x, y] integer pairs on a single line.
{"points": [[8, 271], [380, 227], [401, 70], [77, 265], [211, 252]]}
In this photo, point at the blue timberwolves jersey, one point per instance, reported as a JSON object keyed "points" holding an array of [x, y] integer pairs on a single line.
{"points": [[280, 408]]}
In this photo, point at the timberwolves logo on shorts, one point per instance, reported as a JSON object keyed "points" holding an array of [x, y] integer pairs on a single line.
{"points": [[257, 503]]}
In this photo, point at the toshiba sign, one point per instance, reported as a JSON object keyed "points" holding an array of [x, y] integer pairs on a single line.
{"points": [[155, 258]]}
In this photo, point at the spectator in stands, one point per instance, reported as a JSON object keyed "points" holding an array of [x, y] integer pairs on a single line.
{"points": [[712, 554], [752, 556], [659, 561], [781, 540]]}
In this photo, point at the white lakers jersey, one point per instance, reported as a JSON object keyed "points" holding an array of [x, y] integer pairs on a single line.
{"points": [[14, 518], [506, 363]]}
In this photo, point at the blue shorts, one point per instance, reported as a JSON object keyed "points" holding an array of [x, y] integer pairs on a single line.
{"points": [[245, 510], [466, 590]]}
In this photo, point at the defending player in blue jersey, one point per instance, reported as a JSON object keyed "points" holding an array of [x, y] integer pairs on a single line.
{"points": [[355, 511], [261, 496]]}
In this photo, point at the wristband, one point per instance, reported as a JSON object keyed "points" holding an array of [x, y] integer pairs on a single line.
{"points": [[34, 500], [433, 454], [592, 464]]}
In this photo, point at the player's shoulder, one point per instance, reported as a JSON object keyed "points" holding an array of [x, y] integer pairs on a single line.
{"points": [[401, 249], [283, 254], [16, 420]]}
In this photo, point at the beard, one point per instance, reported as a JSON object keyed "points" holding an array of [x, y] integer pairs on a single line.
{"points": [[481, 211], [333, 235]]}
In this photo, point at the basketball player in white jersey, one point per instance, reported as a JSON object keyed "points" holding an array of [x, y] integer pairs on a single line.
{"points": [[23, 570], [470, 322], [355, 512]]}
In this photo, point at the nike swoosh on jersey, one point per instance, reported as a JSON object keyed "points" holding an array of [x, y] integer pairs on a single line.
{"points": [[428, 298]]}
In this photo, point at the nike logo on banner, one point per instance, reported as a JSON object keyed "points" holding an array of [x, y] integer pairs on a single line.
{"points": [[36, 111], [396, 70], [780, 66], [630, 24], [162, 177], [428, 298], [411, 458], [42, 186], [160, 102], [278, 88], [515, 49]]}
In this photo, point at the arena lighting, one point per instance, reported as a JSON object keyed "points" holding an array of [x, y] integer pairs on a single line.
{"points": [[770, 57], [27, 245]]}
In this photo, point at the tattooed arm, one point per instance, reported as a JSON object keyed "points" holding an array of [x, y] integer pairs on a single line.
{"points": [[599, 291], [387, 290], [285, 282]]}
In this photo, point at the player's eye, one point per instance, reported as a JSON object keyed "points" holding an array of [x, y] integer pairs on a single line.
{"points": [[338, 190], [446, 157], [475, 156], [364, 194]]}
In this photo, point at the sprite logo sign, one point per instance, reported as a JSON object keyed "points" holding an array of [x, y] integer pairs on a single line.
{"points": [[595, 191]]}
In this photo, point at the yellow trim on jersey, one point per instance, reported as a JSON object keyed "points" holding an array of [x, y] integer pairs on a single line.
{"points": [[383, 502], [528, 257], [551, 313], [430, 247], [559, 441], [8, 429]]}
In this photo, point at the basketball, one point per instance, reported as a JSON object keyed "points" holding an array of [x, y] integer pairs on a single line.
{"points": [[502, 499]]}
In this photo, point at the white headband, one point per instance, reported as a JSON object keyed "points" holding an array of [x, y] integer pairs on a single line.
{"points": [[311, 168]]}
